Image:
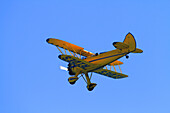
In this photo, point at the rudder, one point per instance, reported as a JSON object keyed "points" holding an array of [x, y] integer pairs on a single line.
{"points": [[130, 40]]}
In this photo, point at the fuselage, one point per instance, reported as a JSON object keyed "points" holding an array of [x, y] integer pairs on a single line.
{"points": [[93, 63], [106, 58]]}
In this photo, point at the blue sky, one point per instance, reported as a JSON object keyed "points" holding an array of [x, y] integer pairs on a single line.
{"points": [[30, 78]]}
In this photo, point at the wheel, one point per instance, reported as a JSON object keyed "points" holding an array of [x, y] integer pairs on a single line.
{"points": [[91, 86], [90, 89], [72, 80], [72, 83]]}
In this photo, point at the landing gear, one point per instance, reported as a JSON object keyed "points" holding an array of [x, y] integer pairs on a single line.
{"points": [[72, 80], [91, 86], [127, 56]]}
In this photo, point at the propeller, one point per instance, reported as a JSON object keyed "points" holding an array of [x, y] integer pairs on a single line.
{"points": [[63, 68]]}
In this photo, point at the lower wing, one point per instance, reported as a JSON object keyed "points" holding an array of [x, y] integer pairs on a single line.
{"points": [[111, 74]]}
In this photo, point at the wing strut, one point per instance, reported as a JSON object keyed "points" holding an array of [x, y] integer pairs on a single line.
{"points": [[59, 50], [80, 54], [69, 51], [65, 51], [114, 68], [75, 52], [120, 68]]}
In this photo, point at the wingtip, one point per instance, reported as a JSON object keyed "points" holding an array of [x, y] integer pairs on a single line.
{"points": [[47, 39], [114, 43]]}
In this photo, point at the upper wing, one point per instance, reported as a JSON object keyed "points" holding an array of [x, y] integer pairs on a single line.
{"points": [[69, 46], [76, 49], [111, 74]]}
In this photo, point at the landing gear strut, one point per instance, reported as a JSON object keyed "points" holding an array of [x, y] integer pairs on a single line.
{"points": [[90, 86]]}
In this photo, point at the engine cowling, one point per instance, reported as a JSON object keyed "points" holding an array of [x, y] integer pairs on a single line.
{"points": [[70, 70]]}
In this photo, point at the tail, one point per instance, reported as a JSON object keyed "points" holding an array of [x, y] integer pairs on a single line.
{"points": [[130, 41]]}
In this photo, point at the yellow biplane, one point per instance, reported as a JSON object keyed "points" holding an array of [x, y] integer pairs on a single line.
{"points": [[82, 62]]}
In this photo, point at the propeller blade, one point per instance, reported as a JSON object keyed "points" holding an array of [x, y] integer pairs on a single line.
{"points": [[63, 68]]}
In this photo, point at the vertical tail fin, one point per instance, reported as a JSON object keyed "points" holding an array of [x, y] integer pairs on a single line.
{"points": [[130, 41]]}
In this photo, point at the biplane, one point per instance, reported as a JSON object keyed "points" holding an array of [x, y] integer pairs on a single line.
{"points": [[82, 62]]}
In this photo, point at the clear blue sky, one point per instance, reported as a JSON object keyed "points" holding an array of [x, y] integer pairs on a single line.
{"points": [[30, 78]]}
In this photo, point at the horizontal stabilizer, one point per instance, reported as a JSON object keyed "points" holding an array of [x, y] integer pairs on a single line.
{"points": [[138, 51], [120, 45], [128, 43]]}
